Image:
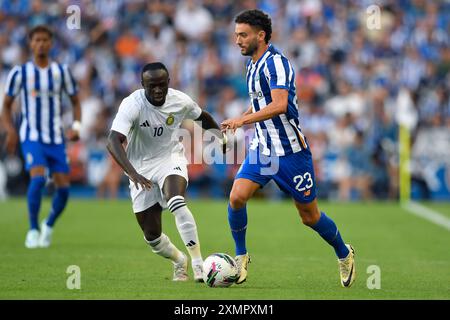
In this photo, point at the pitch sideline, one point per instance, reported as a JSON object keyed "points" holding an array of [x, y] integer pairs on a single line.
{"points": [[427, 214]]}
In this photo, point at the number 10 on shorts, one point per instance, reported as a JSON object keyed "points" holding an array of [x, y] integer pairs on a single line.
{"points": [[302, 178]]}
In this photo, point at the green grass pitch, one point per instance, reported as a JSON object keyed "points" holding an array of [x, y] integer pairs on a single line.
{"points": [[289, 260]]}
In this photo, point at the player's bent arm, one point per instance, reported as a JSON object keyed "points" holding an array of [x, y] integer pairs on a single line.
{"points": [[74, 133], [8, 124], [277, 106], [208, 122], [115, 148], [76, 106]]}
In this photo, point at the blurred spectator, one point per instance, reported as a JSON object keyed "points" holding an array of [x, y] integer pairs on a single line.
{"points": [[359, 179], [193, 20]]}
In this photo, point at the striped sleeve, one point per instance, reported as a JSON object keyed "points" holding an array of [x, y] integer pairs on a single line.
{"points": [[13, 81], [69, 82], [278, 67]]}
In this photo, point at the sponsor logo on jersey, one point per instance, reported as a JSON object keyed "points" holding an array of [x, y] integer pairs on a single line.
{"points": [[170, 120], [255, 95], [35, 94]]}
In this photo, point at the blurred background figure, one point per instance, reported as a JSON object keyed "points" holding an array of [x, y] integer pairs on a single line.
{"points": [[348, 79]]}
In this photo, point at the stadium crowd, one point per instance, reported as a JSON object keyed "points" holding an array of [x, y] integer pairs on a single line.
{"points": [[351, 79]]}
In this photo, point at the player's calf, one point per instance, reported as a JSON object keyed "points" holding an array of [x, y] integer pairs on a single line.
{"points": [[187, 228]]}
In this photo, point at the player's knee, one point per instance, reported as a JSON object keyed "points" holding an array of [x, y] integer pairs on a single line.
{"points": [[309, 217], [61, 180], [150, 235], [237, 199]]}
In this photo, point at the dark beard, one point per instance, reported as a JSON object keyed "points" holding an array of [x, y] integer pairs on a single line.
{"points": [[251, 49]]}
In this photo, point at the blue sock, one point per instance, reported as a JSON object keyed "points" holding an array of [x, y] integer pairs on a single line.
{"points": [[34, 196], [238, 224], [330, 233], [58, 205]]}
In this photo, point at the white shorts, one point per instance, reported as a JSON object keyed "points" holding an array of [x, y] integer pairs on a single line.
{"points": [[157, 173]]}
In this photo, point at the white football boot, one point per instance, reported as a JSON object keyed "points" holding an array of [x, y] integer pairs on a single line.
{"points": [[46, 235], [180, 270], [32, 239], [347, 268], [242, 262], [198, 272]]}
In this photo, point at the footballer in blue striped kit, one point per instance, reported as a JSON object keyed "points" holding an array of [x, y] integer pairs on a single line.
{"points": [[278, 139], [41, 84]]}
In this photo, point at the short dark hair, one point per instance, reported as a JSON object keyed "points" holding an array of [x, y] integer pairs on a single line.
{"points": [[40, 28], [256, 18], [154, 66]]}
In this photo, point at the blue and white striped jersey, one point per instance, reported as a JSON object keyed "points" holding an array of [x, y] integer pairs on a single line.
{"points": [[280, 135], [41, 97]]}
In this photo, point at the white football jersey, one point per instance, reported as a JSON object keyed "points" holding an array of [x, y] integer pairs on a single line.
{"points": [[151, 131]]}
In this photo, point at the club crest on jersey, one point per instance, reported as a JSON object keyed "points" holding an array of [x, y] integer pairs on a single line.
{"points": [[170, 120], [29, 158]]}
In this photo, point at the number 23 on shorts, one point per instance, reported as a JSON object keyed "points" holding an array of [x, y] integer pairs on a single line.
{"points": [[303, 182]]}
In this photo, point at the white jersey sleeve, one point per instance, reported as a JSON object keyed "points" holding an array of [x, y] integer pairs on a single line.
{"points": [[193, 109], [126, 116]]}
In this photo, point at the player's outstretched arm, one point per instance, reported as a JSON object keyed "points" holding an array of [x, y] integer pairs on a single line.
{"points": [[11, 133], [277, 106], [115, 148], [208, 122]]}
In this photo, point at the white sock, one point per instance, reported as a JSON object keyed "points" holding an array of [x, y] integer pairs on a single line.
{"points": [[164, 247], [186, 227]]}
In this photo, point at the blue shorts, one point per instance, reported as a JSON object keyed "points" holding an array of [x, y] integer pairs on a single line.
{"points": [[294, 173], [51, 156]]}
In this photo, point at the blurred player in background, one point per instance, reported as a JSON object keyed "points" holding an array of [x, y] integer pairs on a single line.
{"points": [[278, 138], [148, 121], [41, 83]]}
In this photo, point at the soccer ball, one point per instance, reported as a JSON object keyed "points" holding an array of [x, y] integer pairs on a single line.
{"points": [[220, 270]]}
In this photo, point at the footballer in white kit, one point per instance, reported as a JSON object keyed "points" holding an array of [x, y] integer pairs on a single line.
{"points": [[154, 161], [152, 148]]}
